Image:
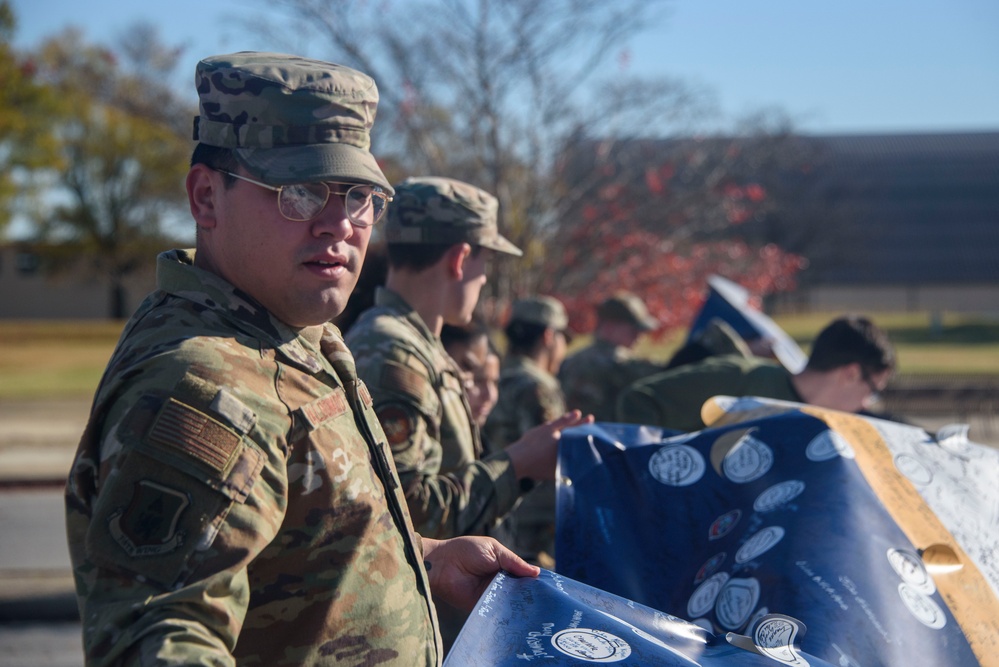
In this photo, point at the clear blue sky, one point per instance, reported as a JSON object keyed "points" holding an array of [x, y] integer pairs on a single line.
{"points": [[849, 66]]}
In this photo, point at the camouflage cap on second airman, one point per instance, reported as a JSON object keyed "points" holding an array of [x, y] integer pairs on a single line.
{"points": [[627, 307], [289, 119], [545, 311], [433, 209]]}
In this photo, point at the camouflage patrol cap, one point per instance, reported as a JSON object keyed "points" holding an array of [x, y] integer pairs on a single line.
{"points": [[627, 307], [432, 209], [289, 119], [545, 311]]}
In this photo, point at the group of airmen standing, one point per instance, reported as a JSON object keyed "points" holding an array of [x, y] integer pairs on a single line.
{"points": [[254, 487]]}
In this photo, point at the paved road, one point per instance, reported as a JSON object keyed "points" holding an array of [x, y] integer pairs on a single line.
{"points": [[49, 644], [38, 619]]}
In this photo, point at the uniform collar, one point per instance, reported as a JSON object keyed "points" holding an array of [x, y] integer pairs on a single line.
{"points": [[176, 275], [393, 301]]}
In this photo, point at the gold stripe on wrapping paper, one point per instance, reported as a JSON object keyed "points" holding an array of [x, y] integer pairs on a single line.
{"points": [[965, 589]]}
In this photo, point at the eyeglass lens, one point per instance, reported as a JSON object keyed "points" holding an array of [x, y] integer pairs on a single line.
{"points": [[303, 201]]}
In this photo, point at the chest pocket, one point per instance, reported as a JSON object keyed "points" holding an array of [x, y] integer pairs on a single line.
{"points": [[330, 464]]}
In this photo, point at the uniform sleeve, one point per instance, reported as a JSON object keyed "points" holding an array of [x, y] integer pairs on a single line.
{"points": [[164, 514], [463, 501]]}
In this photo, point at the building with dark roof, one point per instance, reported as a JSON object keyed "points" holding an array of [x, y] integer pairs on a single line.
{"points": [[917, 219], [890, 221]]}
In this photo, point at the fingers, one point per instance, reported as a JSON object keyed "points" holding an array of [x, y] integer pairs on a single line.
{"points": [[569, 419], [514, 564]]}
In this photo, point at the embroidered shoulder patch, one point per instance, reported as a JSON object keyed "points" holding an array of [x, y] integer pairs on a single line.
{"points": [[399, 425], [184, 429], [148, 526]]}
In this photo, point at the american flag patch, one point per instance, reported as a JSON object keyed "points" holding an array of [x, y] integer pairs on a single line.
{"points": [[183, 429]]}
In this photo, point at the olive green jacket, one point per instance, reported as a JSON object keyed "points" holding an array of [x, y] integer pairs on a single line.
{"points": [[673, 399]]}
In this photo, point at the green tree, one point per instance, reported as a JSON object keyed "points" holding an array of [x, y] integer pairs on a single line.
{"points": [[26, 140], [124, 155]]}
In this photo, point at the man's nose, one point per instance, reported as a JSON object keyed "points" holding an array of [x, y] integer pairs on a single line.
{"points": [[333, 219]]}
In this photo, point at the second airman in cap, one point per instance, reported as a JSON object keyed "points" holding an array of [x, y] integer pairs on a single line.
{"points": [[530, 395]]}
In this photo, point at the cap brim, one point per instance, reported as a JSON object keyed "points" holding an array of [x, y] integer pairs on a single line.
{"points": [[285, 165], [648, 325], [500, 244]]}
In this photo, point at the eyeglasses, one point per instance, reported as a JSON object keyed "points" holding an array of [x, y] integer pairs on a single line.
{"points": [[364, 204]]}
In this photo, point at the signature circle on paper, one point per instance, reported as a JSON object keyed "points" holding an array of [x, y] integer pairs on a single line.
{"points": [[677, 465], [774, 637], [703, 597], [778, 494], [910, 568], [922, 606], [736, 601], [760, 543], [828, 445], [913, 469], [749, 459], [591, 645]]}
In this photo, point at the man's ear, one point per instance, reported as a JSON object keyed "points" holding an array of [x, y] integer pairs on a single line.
{"points": [[455, 258], [853, 371], [202, 189]]}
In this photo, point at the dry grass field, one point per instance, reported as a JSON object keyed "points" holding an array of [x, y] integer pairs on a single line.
{"points": [[66, 359]]}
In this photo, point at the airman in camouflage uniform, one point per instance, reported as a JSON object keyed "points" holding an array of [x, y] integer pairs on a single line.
{"points": [[232, 500], [593, 377], [418, 390], [530, 395], [439, 234]]}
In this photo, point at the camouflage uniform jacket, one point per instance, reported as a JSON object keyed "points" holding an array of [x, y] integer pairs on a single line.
{"points": [[232, 500], [528, 396], [593, 377], [673, 399], [420, 399]]}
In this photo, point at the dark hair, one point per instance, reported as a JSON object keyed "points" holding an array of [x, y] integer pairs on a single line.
{"points": [[852, 339], [452, 334], [523, 337], [214, 157], [420, 256]]}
